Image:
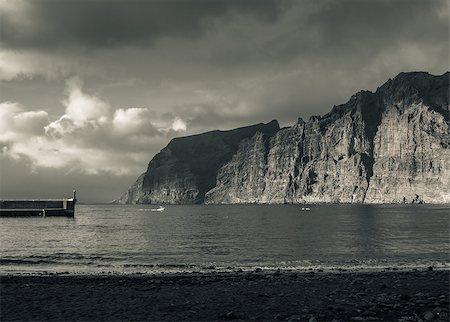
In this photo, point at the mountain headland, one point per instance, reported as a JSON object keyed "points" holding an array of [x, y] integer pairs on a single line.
{"points": [[387, 146]]}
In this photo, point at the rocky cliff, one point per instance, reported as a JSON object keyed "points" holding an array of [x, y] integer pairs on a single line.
{"points": [[187, 167], [389, 146]]}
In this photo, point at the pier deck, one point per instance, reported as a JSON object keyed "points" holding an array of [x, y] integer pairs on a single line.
{"points": [[38, 207]]}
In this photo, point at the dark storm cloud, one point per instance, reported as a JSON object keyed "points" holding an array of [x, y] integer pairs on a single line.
{"points": [[105, 23], [378, 23], [337, 32]]}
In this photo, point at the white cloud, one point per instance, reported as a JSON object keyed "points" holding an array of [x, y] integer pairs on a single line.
{"points": [[82, 111], [61, 127], [17, 124], [7, 112], [82, 108], [57, 65], [133, 120], [90, 137], [179, 125], [27, 64]]}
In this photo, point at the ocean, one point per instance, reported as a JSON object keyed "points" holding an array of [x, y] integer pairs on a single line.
{"points": [[118, 239]]}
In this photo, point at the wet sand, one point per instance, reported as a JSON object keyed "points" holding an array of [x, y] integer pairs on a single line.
{"points": [[283, 296]]}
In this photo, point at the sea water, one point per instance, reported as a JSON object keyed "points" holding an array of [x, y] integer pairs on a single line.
{"points": [[135, 239]]}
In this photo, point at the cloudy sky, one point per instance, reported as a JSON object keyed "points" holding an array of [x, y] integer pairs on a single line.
{"points": [[92, 89]]}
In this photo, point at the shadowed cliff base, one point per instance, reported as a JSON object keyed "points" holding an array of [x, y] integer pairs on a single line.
{"points": [[390, 146]]}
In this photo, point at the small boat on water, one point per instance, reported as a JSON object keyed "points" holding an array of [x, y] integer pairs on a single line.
{"points": [[306, 209], [161, 208]]}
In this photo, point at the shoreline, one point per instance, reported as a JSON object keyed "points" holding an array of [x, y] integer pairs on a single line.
{"points": [[176, 270], [255, 295], [194, 269]]}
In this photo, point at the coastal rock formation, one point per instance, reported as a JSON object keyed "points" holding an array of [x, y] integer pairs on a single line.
{"points": [[412, 144], [186, 168], [389, 146]]}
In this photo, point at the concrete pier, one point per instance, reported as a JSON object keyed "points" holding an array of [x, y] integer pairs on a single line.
{"points": [[38, 207]]}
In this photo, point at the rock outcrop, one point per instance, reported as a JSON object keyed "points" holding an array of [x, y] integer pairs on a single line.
{"points": [[389, 146]]}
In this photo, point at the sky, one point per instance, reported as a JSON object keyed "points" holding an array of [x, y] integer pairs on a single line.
{"points": [[91, 90]]}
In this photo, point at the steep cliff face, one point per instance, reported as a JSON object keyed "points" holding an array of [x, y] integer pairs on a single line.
{"points": [[283, 164], [323, 160], [389, 146], [411, 156], [242, 179], [412, 144], [187, 167], [133, 193]]}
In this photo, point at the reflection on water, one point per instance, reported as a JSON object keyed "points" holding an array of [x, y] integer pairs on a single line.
{"points": [[132, 238]]}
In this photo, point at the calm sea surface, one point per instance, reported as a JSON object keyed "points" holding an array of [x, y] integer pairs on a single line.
{"points": [[130, 239]]}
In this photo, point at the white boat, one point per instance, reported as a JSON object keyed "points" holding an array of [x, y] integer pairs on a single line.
{"points": [[161, 208], [306, 209]]}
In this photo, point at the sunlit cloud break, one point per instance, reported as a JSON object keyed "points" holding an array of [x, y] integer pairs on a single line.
{"points": [[91, 136]]}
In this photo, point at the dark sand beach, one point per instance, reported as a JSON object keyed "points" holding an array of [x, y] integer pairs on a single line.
{"points": [[285, 296]]}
